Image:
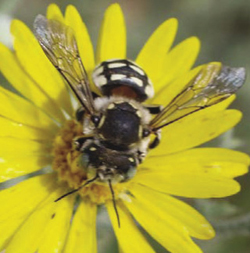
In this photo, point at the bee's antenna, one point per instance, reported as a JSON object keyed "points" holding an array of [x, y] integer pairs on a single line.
{"points": [[114, 203], [71, 192]]}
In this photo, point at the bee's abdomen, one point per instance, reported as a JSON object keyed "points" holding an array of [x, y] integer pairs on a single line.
{"points": [[123, 78]]}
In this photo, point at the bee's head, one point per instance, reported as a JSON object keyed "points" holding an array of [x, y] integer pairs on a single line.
{"points": [[121, 125], [108, 164]]}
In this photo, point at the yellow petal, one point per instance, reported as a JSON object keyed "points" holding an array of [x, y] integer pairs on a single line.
{"points": [[54, 12], [19, 201], [19, 166], [82, 235], [73, 19], [10, 128], [172, 208], [128, 235], [214, 161], [187, 184], [170, 91], [196, 129], [57, 220], [153, 54], [20, 110], [112, 36], [25, 85], [12, 148], [179, 61], [46, 228], [167, 230], [39, 68]]}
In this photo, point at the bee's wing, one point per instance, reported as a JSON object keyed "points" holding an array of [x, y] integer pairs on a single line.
{"points": [[59, 44], [212, 84]]}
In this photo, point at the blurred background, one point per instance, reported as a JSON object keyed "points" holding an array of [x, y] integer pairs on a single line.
{"points": [[224, 29]]}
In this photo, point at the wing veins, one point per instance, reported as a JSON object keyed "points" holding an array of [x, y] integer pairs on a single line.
{"points": [[210, 86], [59, 44]]}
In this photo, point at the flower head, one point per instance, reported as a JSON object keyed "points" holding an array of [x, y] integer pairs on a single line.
{"points": [[39, 129]]}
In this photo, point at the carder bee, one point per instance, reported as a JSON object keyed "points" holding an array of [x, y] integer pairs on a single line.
{"points": [[118, 127]]}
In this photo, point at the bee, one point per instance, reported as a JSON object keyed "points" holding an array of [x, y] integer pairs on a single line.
{"points": [[119, 129]]}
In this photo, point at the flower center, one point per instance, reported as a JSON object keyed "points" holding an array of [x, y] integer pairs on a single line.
{"points": [[66, 164]]}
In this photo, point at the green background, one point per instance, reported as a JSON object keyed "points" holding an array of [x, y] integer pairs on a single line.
{"points": [[224, 29]]}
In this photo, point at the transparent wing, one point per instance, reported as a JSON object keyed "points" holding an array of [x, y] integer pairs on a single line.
{"points": [[58, 42], [212, 84]]}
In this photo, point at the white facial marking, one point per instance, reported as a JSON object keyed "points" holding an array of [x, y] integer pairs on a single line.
{"points": [[137, 69], [117, 77], [131, 159], [92, 149]]}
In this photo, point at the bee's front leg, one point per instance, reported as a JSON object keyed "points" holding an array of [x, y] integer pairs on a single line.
{"points": [[80, 142], [156, 140]]}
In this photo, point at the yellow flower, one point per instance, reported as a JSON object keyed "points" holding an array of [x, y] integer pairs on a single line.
{"points": [[38, 127]]}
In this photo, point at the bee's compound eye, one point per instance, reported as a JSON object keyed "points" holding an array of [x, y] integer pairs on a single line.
{"points": [[95, 119], [146, 132]]}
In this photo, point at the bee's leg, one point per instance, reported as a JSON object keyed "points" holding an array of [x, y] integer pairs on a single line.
{"points": [[154, 109], [80, 114], [78, 143], [80, 111], [156, 140], [141, 156]]}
